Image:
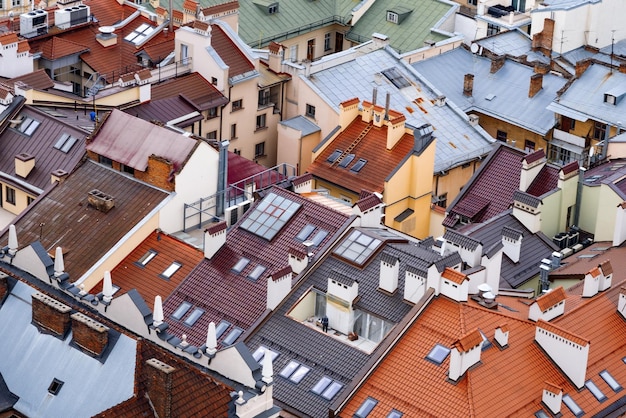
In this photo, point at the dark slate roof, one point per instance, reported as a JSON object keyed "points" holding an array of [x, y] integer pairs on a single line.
{"points": [[225, 295], [535, 247], [461, 240], [84, 233], [526, 199], [512, 233], [165, 110], [546, 181], [325, 355], [535, 156], [41, 146]]}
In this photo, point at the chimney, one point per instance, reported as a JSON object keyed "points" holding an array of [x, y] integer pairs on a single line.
{"points": [[348, 112], [341, 312], [58, 175], [570, 352], [468, 85], [527, 210], [395, 128], [214, 239], [278, 286], [501, 336], [551, 397], [100, 200], [157, 312], [389, 266], [107, 288], [542, 41], [303, 183], [298, 260], [370, 210], [621, 303], [387, 104], [276, 56], [592, 282], [374, 94], [622, 68], [211, 341], [548, 306], [465, 353], [581, 67], [532, 164], [12, 241], [368, 112], [51, 314], [380, 40], [454, 284], [24, 164], [512, 243], [497, 62], [607, 275], [4, 286], [473, 119], [414, 284], [378, 115], [541, 68], [107, 36], [536, 84], [160, 377], [555, 260], [89, 334]]}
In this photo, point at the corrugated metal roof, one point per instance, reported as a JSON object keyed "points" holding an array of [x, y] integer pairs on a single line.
{"points": [[457, 141], [301, 124], [30, 360], [503, 95]]}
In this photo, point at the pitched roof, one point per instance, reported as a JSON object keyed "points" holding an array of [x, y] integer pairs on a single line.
{"points": [[224, 294], [57, 48], [454, 275], [85, 233], [551, 298], [38, 79], [194, 88], [597, 254], [231, 53], [546, 181], [130, 141]]}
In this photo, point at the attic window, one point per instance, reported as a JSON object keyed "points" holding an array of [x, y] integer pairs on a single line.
{"points": [[395, 414], [357, 247], [396, 78], [305, 232], [193, 318], [366, 407], [221, 328], [181, 310], [269, 216], [261, 352], [438, 354], [606, 376], [241, 264], [28, 126], [541, 414], [232, 336], [272, 9], [610, 99], [573, 406], [392, 17], [173, 268], [146, 258], [327, 388], [65, 143], [256, 273], [55, 386], [346, 161], [358, 165], [319, 237], [294, 371], [140, 34], [333, 157], [595, 391]]}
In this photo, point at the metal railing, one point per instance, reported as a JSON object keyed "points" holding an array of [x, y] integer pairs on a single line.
{"points": [[302, 29]]}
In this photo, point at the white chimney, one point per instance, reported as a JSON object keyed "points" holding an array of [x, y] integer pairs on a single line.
{"points": [[12, 241], [531, 166], [278, 286], [592, 282], [303, 184], [298, 260], [454, 284], [389, 266], [211, 340], [621, 303], [107, 287], [414, 284], [501, 335], [512, 243], [548, 306], [527, 210], [214, 239], [157, 314], [464, 354], [607, 275], [619, 234], [59, 266], [552, 396], [570, 352], [370, 210]]}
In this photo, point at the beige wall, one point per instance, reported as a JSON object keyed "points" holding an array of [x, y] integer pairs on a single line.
{"points": [[453, 180], [21, 199], [318, 36], [294, 149], [520, 135], [604, 221]]}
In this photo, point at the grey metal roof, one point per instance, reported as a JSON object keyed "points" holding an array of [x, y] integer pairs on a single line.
{"points": [[503, 95], [360, 73], [550, 5], [584, 99], [301, 124], [325, 355], [514, 43], [29, 361], [7, 398]]}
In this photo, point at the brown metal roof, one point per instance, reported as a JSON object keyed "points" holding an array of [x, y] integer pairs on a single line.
{"points": [[197, 90], [232, 55], [62, 217], [37, 79]]}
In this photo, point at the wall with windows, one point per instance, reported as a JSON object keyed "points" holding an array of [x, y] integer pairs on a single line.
{"points": [[521, 136], [14, 200], [448, 184], [315, 44]]}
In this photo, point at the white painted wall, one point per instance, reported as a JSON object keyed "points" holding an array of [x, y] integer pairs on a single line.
{"points": [[570, 357]]}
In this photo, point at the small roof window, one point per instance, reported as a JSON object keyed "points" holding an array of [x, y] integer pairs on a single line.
{"points": [[333, 157], [357, 247], [319, 237], [221, 328], [173, 268], [146, 258], [358, 165], [195, 315], [28, 126], [395, 414], [138, 35], [232, 336], [257, 272], [305, 232], [438, 354], [595, 391], [346, 160], [261, 352], [181, 310], [573, 406], [55, 386], [327, 388], [606, 376], [65, 143], [269, 216], [241, 264], [366, 407], [294, 371]]}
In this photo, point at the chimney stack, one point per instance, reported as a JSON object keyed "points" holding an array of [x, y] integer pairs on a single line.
{"points": [[278, 286], [89, 334], [497, 62], [541, 68], [214, 239], [414, 284], [468, 85], [548, 306], [502, 336], [389, 266], [298, 260], [51, 314], [464, 354], [536, 84], [24, 164], [58, 175], [160, 377], [512, 243], [621, 302], [552, 397], [581, 67]]}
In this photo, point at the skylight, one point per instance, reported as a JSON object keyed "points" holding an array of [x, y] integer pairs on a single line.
{"points": [[140, 34], [146, 258], [65, 143], [232, 336], [221, 328], [595, 391], [358, 165], [346, 161], [573, 406], [195, 315], [541, 414], [357, 247], [173, 268], [294, 371], [327, 388], [395, 414], [267, 218], [28, 126], [366, 407], [55, 386], [181, 310], [396, 78], [319, 237], [256, 273], [241, 264], [261, 352], [606, 376], [333, 157], [438, 354], [305, 232]]}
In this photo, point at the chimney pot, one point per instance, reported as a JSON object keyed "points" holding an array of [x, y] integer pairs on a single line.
{"points": [[497, 62], [536, 84], [51, 314], [468, 85]]}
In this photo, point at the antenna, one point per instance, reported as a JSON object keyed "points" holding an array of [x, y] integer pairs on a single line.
{"points": [[612, 44]]}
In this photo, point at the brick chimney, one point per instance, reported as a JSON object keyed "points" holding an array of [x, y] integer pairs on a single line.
{"points": [[541, 68], [552, 395], [536, 84], [160, 378], [348, 111], [389, 266], [4, 286], [89, 334], [214, 239], [464, 354], [51, 314], [581, 67], [497, 62], [468, 85], [542, 41], [278, 286]]}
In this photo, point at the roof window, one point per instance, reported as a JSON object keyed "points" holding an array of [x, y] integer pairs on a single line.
{"points": [[173, 268], [256, 273], [327, 388], [221, 328], [397, 79], [438, 354], [319, 237], [181, 310], [595, 391], [28, 126], [140, 34], [294, 371], [55, 386], [346, 160], [269, 216], [261, 352], [357, 247], [395, 414], [333, 157], [232, 336], [366, 407], [65, 143], [195, 315], [305, 232], [573, 406], [606, 376], [358, 165], [146, 258], [241, 264]]}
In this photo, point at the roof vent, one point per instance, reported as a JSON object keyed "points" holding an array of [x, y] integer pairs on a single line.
{"points": [[100, 200], [473, 119]]}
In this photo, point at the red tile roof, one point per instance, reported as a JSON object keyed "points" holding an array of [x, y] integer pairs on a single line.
{"points": [[454, 275], [535, 156], [232, 55], [37, 79], [546, 181], [381, 162], [57, 47], [551, 298], [468, 341], [194, 88], [220, 8], [8, 38]]}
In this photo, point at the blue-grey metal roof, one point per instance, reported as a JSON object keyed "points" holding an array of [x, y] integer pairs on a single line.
{"points": [[30, 360], [515, 43], [550, 5], [502, 95], [457, 141], [301, 124], [584, 99]]}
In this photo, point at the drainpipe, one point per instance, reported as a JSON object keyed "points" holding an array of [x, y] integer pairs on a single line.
{"points": [[222, 178], [579, 192]]}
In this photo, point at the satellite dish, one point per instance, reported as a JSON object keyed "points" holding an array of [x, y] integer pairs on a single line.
{"points": [[474, 48]]}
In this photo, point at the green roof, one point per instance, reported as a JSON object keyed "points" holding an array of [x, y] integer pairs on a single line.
{"points": [[411, 32]]}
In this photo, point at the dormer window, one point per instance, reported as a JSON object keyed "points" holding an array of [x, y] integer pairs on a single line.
{"points": [[272, 9], [392, 17], [398, 14], [610, 99]]}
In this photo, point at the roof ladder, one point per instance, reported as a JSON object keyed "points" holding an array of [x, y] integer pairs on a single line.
{"points": [[354, 143]]}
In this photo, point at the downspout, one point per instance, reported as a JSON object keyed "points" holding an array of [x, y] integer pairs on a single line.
{"points": [[579, 192], [222, 178]]}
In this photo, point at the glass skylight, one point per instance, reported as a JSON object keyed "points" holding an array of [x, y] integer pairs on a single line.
{"points": [[146, 258], [232, 336], [319, 237], [173, 268], [333, 157], [305, 232], [322, 384], [366, 407], [595, 391], [139, 34], [241, 264], [28, 126], [332, 390], [357, 247], [261, 352], [181, 310], [221, 328], [256, 273], [438, 354], [573, 406], [358, 165], [269, 216], [65, 143], [346, 161], [195, 315], [396, 78], [606, 376], [395, 414], [299, 374]]}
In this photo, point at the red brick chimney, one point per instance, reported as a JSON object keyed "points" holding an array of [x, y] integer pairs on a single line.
{"points": [[497, 62], [536, 84], [581, 67], [160, 377], [51, 314], [468, 85], [89, 334], [541, 68], [622, 68], [542, 41]]}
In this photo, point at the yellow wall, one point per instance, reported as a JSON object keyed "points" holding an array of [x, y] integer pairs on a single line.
{"points": [[21, 199], [520, 135], [606, 203], [453, 180]]}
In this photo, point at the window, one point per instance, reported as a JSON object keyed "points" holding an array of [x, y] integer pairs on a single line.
{"points": [[333, 157], [472, 2], [28, 126], [16, 3], [492, 29], [442, 200], [260, 121], [55, 386], [346, 161], [146, 258], [211, 135], [10, 192], [327, 41], [294, 371], [501, 136], [599, 130], [214, 81], [264, 97], [310, 50], [173, 268], [269, 216], [273, 9], [105, 161], [237, 105], [212, 113], [261, 352], [327, 388], [232, 336], [65, 143], [305, 232], [366, 407], [319, 237], [221, 328], [241, 264], [567, 124], [195, 315], [595, 391], [259, 150], [358, 165], [392, 17], [29, 200], [256, 273], [233, 131], [438, 354], [573, 406], [184, 54], [608, 378], [529, 145], [395, 414], [293, 53], [310, 110], [181, 310], [126, 169]]}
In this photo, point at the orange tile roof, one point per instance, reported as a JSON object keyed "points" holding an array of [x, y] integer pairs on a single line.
{"points": [[562, 332], [190, 5], [606, 267], [469, 341], [454, 275], [381, 162], [350, 102], [8, 38], [551, 298], [551, 387], [221, 8], [57, 47], [594, 272], [23, 46]]}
